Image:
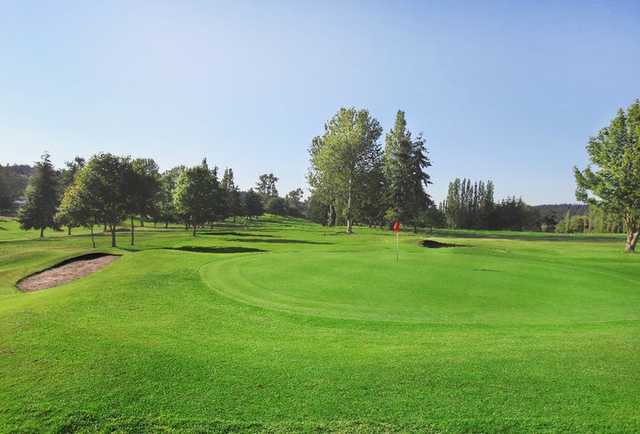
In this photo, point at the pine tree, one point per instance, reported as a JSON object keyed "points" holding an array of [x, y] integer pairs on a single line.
{"points": [[405, 164], [231, 193], [42, 197]]}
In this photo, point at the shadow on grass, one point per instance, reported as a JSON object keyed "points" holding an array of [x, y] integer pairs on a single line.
{"points": [[235, 234], [276, 241], [526, 237], [432, 244], [201, 249]]}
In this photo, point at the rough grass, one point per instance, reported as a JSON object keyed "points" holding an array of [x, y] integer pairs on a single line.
{"points": [[284, 326]]}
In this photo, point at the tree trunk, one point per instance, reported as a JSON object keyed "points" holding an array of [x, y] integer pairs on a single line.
{"points": [[132, 232], [194, 230], [93, 240], [141, 221], [166, 225], [68, 230], [41, 232], [105, 228], [349, 222], [113, 235], [632, 240]]}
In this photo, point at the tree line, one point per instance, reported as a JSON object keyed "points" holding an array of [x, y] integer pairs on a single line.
{"points": [[353, 179], [471, 205], [13, 182], [109, 189]]}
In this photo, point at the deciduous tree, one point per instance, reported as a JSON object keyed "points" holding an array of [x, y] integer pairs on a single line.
{"points": [[195, 195], [341, 158], [103, 189], [612, 180]]}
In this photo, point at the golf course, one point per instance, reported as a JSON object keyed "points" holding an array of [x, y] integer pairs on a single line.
{"points": [[282, 325]]}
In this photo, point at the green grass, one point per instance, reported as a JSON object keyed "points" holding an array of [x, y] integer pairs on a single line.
{"points": [[285, 326]]}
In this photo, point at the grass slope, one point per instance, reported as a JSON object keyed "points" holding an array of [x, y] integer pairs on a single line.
{"points": [[285, 326]]}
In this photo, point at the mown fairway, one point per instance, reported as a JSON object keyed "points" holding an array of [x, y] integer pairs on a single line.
{"points": [[285, 326]]}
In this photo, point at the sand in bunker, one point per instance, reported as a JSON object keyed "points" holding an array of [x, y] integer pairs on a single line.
{"points": [[66, 272]]}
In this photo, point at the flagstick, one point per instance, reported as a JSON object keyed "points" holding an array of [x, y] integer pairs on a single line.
{"points": [[397, 248]]}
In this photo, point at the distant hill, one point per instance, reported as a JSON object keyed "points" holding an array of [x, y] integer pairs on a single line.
{"points": [[558, 211]]}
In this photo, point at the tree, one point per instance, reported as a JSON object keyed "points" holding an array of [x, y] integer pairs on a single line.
{"points": [[266, 186], [6, 196], [231, 194], [70, 171], [341, 158], [316, 210], [253, 204], [470, 205], [41, 203], [194, 195], [612, 180], [103, 189], [293, 201], [13, 183], [75, 211], [166, 210], [277, 205], [323, 187], [143, 185], [66, 177], [372, 195]]}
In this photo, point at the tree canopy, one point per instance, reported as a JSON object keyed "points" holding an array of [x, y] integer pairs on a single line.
{"points": [[612, 181], [342, 158]]}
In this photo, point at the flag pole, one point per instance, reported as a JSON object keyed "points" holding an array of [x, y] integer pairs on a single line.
{"points": [[397, 248]]}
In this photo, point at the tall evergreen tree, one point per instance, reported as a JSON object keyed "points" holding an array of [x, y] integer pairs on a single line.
{"points": [[231, 195], [405, 163], [42, 198]]}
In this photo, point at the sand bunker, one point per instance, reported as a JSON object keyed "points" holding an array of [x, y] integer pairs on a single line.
{"points": [[66, 271], [431, 244]]}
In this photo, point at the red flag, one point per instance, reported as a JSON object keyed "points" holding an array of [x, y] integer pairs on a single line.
{"points": [[396, 226]]}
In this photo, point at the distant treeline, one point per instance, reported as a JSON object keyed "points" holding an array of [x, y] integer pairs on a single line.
{"points": [[13, 183], [109, 189], [471, 205]]}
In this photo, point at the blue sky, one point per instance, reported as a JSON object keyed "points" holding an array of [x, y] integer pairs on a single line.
{"points": [[508, 91]]}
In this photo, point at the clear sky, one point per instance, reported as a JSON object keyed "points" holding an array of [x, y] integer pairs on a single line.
{"points": [[509, 90]]}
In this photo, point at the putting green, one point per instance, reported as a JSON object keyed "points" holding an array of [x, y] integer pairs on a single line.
{"points": [[470, 285]]}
